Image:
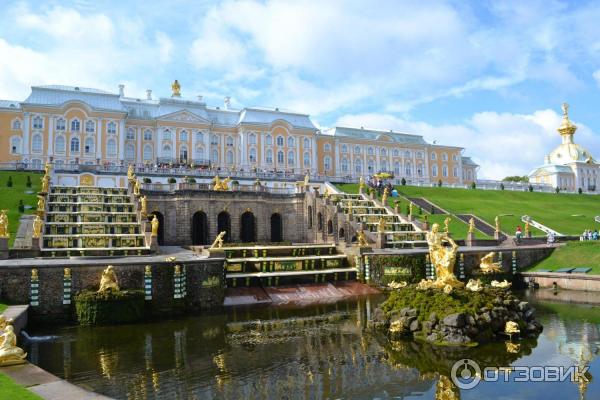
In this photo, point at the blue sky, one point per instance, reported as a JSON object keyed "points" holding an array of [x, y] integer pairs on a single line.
{"points": [[489, 76]]}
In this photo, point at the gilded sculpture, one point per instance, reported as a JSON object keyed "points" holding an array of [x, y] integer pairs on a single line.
{"points": [[47, 168], [306, 179], [474, 285], [511, 328], [109, 280], [472, 225], [219, 240], [130, 173], [221, 185], [143, 206], [527, 229], [41, 204], [45, 183], [136, 187], [4, 322], [154, 225], [447, 224], [443, 259], [362, 239], [497, 222], [501, 285], [410, 209], [487, 264], [381, 225], [384, 197], [176, 89], [4, 225], [361, 184], [37, 227], [10, 354]]}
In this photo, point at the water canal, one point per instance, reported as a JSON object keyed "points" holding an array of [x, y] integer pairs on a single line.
{"points": [[310, 352]]}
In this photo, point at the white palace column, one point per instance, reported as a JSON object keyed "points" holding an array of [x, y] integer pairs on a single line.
{"points": [[192, 151], [26, 133], [158, 142], [99, 141], [336, 148], [139, 145], [313, 162], [263, 145], [50, 152], [174, 134], [206, 139], [122, 140], [299, 161]]}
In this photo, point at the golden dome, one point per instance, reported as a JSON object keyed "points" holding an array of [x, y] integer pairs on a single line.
{"points": [[566, 127]]}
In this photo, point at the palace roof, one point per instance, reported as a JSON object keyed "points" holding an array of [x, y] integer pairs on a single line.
{"points": [[551, 169], [373, 134], [469, 161]]}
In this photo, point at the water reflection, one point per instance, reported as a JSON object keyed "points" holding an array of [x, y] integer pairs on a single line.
{"points": [[314, 352]]}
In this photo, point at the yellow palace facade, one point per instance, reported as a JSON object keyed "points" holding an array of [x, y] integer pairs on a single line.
{"points": [[74, 125]]}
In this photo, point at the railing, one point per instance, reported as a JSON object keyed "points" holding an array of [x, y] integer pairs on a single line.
{"points": [[173, 187]]}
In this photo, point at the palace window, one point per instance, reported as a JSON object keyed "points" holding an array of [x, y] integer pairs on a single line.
{"points": [[111, 148], [396, 153], [147, 152], [344, 148], [455, 172], [419, 154], [16, 125], [89, 146], [111, 128], [306, 143], [307, 159], [199, 153], [407, 154], [279, 140], [61, 124], [327, 163], [214, 140], [434, 170], [444, 157], [280, 157], [291, 158], [166, 150], [408, 169], [147, 134], [358, 166], [183, 136], [383, 152], [75, 145], [59, 144], [214, 157], [370, 151], [383, 166], [36, 143], [166, 134], [90, 126], [252, 138], [15, 145], [371, 166], [229, 141], [327, 147], [357, 150], [269, 140], [38, 122], [433, 155], [130, 134], [75, 125], [444, 170], [344, 163], [229, 156], [291, 142], [397, 168], [129, 152], [269, 157], [420, 169], [454, 157], [252, 155], [469, 176], [183, 154], [200, 137]]}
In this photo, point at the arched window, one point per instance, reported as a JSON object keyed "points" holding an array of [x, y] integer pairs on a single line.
{"points": [[129, 152], [306, 159], [200, 137], [280, 157], [36, 143], [166, 150], [130, 134], [455, 172], [407, 154], [252, 155], [397, 168], [433, 155], [310, 217], [444, 156], [383, 151], [214, 140], [147, 134], [291, 142], [214, 157], [89, 146], [434, 170], [16, 125], [358, 166], [420, 169], [469, 175], [15, 145], [291, 159], [199, 155], [383, 166], [371, 166], [147, 153], [183, 136], [344, 165], [396, 153], [183, 154], [327, 147], [370, 151], [444, 170], [38, 122], [111, 148], [357, 150], [229, 141], [269, 157], [229, 157], [59, 144], [61, 124], [327, 163], [111, 128], [252, 138], [279, 140], [74, 145], [269, 140], [166, 134], [408, 168], [75, 125], [344, 148], [306, 143], [90, 126]]}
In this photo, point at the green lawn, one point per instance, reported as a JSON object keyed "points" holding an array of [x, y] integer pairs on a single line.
{"points": [[573, 254], [554, 210], [9, 390], [2, 307], [10, 196]]}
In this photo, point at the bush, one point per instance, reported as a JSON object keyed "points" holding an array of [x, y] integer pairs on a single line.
{"points": [[191, 180], [530, 188], [557, 190], [172, 180], [109, 307], [579, 191], [403, 182], [439, 183], [9, 183], [420, 211], [235, 182], [473, 185], [147, 180], [21, 206], [502, 186], [28, 183]]}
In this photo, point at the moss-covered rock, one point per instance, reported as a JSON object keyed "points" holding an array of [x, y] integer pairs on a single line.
{"points": [[109, 307]]}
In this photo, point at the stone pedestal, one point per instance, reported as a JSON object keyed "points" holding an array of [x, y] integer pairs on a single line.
{"points": [[497, 235], [410, 217], [528, 235], [470, 239], [381, 240], [154, 244], [3, 248], [35, 244]]}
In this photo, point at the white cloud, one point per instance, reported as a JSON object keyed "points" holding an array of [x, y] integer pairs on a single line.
{"points": [[502, 143]]}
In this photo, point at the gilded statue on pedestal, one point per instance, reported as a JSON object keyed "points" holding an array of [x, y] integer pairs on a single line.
{"points": [[527, 229], [410, 209], [4, 322], [37, 227], [45, 183], [361, 184], [362, 239], [41, 204], [219, 240], [443, 259], [176, 89], [47, 168], [221, 185], [447, 224], [154, 224], [384, 197], [381, 225], [4, 224], [306, 179], [136, 187], [143, 205], [472, 225], [130, 172], [109, 280], [487, 264], [10, 354]]}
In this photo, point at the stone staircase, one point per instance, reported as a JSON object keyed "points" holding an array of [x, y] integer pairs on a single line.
{"points": [[92, 221], [282, 265], [399, 233]]}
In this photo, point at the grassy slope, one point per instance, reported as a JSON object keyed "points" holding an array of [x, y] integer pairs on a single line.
{"points": [[573, 254], [553, 210], [2, 307], [10, 196], [9, 390]]}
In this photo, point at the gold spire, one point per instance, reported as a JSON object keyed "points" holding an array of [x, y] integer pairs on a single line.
{"points": [[566, 127]]}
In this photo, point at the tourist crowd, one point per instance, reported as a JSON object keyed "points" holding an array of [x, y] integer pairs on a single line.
{"points": [[589, 235]]}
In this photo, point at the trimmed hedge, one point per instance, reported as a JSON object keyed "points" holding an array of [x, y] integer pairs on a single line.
{"points": [[109, 307]]}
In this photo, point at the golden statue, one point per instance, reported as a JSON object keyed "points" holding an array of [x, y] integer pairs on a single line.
{"points": [[218, 243], [474, 285], [41, 204], [362, 239], [306, 179], [143, 205], [350, 207], [488, 266], [397, 285], [445, 389], [472, 225], [47, 168], [501, 285], [109, 280], [410, 208], [10, 354], [361, 184], [154, 224], [326, 192], [4, 322], [130, 173], [37, 227], [384, 197], [67, 272], [45, 183], [176, 89], [221, 185], [511, 328], [497, 221], [447, 224], [443, 259], [136, 187], [381, 225], [527, 229], [4, 225]]}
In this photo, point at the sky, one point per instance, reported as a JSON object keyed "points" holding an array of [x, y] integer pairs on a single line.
{"points": [[489, 76]]}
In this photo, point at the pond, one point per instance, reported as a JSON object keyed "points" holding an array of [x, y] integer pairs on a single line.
{"points": [[311, 352]]}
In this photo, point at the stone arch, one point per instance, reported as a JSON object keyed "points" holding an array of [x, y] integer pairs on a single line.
{"points": [[224, 224], [341, 234], [330, 227], [310, 217], [248, 227], [161, 227], [319, 222], [276, 228], [199, 228]]}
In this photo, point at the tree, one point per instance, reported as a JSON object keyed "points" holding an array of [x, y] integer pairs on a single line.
{"points": [[420, 210], [579, 191], [557, 190], [439, 183], [516, 178], [28, 183], [530, 188], [502, 186], [172, 180], [432, 210], [21, 206], [473, 185], [9, 183], [403, 182]]}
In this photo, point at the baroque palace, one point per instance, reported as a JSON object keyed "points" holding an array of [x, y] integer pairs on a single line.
{"points": [[76, 125]]}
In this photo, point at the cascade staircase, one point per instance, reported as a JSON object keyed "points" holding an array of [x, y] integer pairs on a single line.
{"points": [[281, 265], [92, 221], [399, 233]]}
